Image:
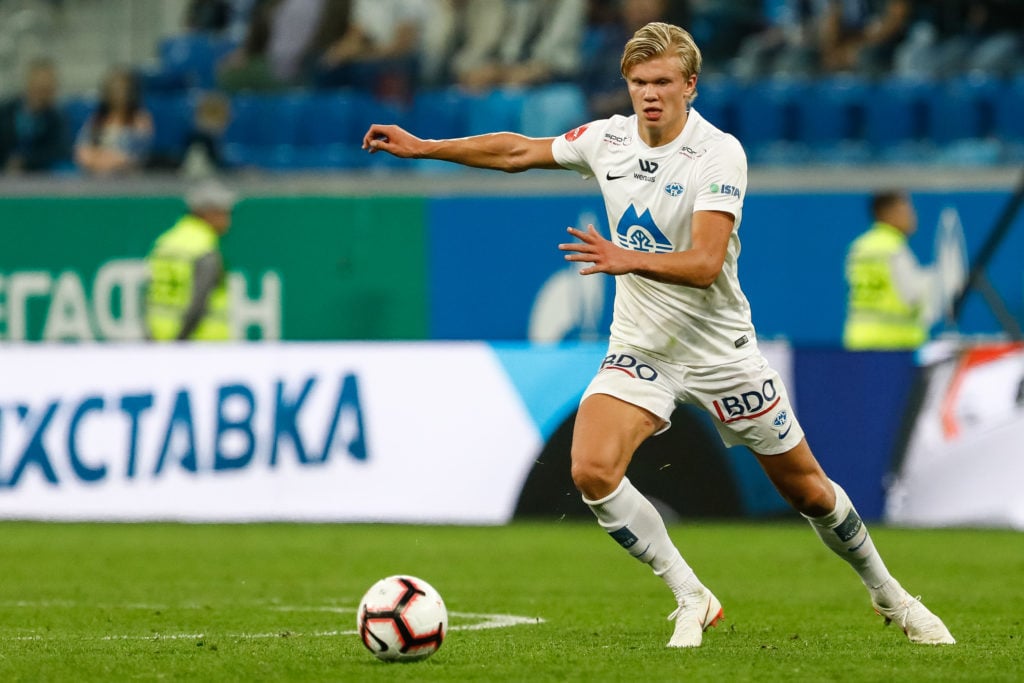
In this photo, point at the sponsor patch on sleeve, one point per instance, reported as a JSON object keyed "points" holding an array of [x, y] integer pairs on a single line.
{"points": [[574, 134]]}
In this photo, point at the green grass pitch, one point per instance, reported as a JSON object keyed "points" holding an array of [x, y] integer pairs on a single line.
{"points": [[122, 602]]}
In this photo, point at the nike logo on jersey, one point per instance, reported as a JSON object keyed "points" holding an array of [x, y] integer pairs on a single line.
{"points": [[783, 435], [609, 176]]}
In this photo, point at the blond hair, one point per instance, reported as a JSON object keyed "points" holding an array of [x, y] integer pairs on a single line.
{"points": [[659, 39]]}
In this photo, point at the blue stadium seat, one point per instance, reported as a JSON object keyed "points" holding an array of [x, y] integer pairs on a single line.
{"points": [[551, 110], [331, 125], [172, 121], [832, 111], [193, 57], [896, 111], [440, 114], [716, 101], [1008, 111], [330, 156], [780, 153], [961, 109], [158, 80], [76, 112], [265, 120], [497, 110], [335, 117], [972, 152], [766, 112]]}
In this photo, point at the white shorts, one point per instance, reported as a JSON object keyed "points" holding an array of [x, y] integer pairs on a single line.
{"points": [[746, 399]]}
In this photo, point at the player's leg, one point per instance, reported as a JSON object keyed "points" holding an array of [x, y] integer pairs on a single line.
{"points": [[800, 480], [607, 432], [751, 406]]}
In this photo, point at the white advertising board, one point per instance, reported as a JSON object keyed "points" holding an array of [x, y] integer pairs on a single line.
{"points": [[430, 432], [355, 432], [964, 462]]}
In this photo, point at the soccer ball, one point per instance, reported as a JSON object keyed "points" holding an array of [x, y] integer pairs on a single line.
{"points": [[402, 618]]}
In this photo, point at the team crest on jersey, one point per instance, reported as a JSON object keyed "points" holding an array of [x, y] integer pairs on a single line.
{"points": [[639, 232], [575, 133], [674, 189]]}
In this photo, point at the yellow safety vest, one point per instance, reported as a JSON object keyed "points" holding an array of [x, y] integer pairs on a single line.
{"points": [[171, 267], [877, 318]]}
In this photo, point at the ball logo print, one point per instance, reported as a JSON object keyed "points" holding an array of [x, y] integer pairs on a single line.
{"points": [[402, 618]]}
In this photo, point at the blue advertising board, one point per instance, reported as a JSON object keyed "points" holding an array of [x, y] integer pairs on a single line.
{"points": [[496, 272], [491, 257]]}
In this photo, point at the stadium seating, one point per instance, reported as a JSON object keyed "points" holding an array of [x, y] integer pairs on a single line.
{"points": [[496, 110], [831, 111], [172, 121], [1008, 111], [552, 110], [836, 120], [188, 60], [716, 101]]}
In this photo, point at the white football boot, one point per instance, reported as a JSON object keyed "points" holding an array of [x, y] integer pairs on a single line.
{"points": [[920, 625], [693, 617]]}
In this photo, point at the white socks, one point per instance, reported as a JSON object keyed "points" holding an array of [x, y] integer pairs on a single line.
{"points": [[632, 521], [845, 534]]}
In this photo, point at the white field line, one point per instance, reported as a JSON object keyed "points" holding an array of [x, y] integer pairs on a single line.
{"points": [[480, 621]]}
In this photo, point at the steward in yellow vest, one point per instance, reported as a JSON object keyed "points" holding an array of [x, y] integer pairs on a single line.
{"points": [[187, 296], [890, 302]]}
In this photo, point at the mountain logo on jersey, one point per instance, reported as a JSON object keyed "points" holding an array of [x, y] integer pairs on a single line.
{"points": [[575, 133], [639, 232]]}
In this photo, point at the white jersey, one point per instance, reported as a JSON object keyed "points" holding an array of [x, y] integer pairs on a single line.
{"points": [[651, 195]]}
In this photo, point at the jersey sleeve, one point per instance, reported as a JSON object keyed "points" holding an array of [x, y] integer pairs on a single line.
{"points": [[723, 178], [577, 148]]}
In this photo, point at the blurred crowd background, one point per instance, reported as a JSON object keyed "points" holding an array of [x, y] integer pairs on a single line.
{"points": [[111, 87]]}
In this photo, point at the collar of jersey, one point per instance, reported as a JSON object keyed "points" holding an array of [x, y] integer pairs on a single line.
{"points": [[692, 117]]}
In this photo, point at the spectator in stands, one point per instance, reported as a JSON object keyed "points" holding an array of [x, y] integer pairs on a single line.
{"points": [[892, 298], [32, 129], [187, 298], [118, 135], [461, 37], [208, 16], [204, 154], [787, 45], [601, 77], [284, 37], [541, 43], [862, 35], [380, 50], [720, 26], [960, 36]]}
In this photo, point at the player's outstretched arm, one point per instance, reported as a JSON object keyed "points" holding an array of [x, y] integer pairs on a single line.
{"points": [[698, 266], [509, 152]]}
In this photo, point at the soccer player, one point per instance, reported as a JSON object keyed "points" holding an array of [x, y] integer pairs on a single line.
{"points": [[673, 186]]}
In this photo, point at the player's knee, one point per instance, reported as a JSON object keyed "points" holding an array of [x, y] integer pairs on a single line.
{"points": [[594, 479], [813, 497]]}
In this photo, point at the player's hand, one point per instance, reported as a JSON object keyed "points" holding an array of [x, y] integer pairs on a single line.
{"points": [[391, 139], [594, 249]]}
